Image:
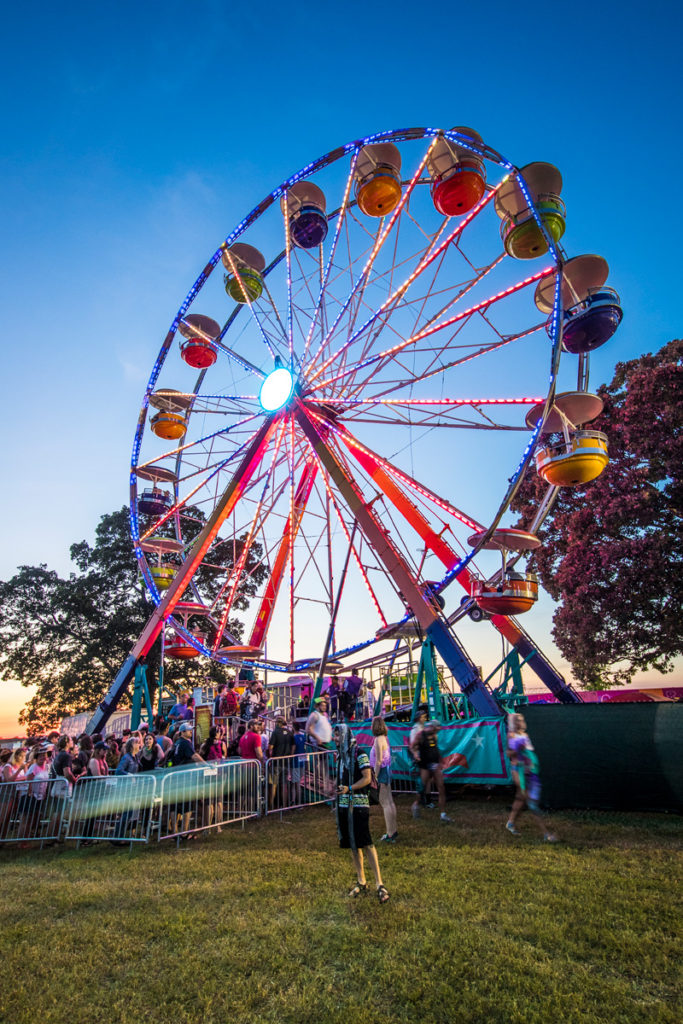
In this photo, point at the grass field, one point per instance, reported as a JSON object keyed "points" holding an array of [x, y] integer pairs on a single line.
{"points": [[254, 925]]}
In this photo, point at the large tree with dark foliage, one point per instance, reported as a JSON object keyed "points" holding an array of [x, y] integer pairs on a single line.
{"points": [[612, 552], [69, 636]]}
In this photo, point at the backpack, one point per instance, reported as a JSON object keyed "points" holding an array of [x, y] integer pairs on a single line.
{"points": [[229, 704]]}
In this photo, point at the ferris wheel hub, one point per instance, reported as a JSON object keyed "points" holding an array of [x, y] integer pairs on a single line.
{"points": [[276, 389]]}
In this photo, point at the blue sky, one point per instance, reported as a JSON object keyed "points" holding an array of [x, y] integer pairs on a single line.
{"points": [[136, 136]]}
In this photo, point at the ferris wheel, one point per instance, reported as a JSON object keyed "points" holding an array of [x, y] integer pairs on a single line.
{"points": [[349, 397]]}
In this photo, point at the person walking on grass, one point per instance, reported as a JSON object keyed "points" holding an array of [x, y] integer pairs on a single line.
{"points": [[525, 775], [380, 760], [353, 811], [425, 750]]}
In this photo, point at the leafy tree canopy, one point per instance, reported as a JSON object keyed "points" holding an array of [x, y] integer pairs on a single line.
{"points": [[612, 552], [69, 636]]}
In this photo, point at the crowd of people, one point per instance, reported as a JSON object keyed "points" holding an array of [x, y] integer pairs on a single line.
{"points": [[240, 730]]}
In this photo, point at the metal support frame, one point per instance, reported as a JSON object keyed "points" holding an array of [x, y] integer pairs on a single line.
{"points": [[512, 673], [317, 690], [428, 676], [140, 695], [436, 629], [181, 580]]}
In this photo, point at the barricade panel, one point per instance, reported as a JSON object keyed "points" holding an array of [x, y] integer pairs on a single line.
{"points": [[33, 812], [118, 808], [230, 723], [209, 795], [300, 780]]}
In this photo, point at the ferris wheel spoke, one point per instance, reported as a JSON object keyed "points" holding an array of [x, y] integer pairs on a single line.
{"points": [[288, 263], [432, 423], [319, 306], [356, 557], [382, 358], [223, 405], [404, 578], [246, 299], [193, 444], [382, 236], [236, 575], [429, 257], [278, 319], [433, 412], [372, 462], [267, 604]]}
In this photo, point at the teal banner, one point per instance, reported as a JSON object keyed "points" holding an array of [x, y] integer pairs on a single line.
{"points": [[473, 751]]}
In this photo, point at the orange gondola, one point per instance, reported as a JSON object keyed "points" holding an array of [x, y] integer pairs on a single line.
{"points": [[378, 179]]}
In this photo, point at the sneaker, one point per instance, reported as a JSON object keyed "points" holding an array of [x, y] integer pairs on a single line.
{"points": [[512, 830], [430, 806], [445, 818], [550, 838]]}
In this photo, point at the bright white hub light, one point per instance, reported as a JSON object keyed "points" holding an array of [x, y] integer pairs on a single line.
{"points": [[276, 389]]}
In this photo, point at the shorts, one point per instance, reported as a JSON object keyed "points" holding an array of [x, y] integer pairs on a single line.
{"points": [[383, 776], [275, 772], [431, 767], [361, 828], [295, 774]]}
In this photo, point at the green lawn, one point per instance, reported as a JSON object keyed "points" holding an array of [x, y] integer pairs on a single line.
{"points": [[254, 925]]}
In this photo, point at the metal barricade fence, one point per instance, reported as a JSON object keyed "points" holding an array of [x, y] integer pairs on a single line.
{"points": [[300, 780], [208, 795], [33, 812], [230, 724], [406, 783], [114, 807]]}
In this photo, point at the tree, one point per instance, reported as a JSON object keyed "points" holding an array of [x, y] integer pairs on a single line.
{"points": [[69, 636], [612, 552]]}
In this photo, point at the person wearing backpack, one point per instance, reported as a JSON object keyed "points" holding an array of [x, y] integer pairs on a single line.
{"points": [[81, 761], [229, 705]]}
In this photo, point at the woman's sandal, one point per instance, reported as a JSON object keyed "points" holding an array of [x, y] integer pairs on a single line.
{"points": [[358, 889], [382, 894]]}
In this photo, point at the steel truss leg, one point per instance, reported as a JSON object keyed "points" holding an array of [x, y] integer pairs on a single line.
{"points": [[456, 658], [231, 496]]}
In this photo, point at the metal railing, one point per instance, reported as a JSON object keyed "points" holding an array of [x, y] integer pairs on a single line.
{"points": [[207, 796], [299, 780], [173, 803], [33, 812], [118, 808], [231, 724]]}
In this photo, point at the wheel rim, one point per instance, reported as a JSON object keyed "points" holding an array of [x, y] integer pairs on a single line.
{"points": [[380, 326]]}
